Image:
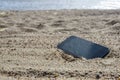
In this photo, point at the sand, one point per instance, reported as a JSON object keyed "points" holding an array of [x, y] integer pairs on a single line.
{"points": [[28, 41]]}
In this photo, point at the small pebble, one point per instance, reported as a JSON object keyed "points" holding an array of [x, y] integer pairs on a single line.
{"points": [[97, 76], [100, 72], [86, 73]]}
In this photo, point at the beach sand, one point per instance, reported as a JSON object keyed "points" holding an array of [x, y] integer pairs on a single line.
{"points": [[28, 41]]}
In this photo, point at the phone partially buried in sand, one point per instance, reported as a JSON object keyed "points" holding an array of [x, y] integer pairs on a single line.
{"points": [[79, 47]]}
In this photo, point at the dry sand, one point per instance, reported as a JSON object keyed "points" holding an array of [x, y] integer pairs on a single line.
{"points": [[28, 41]]}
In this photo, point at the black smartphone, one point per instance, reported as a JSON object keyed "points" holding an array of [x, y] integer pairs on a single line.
{"points": [[79, 47]]}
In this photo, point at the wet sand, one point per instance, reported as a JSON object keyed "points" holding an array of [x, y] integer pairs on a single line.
{"points": [[28, 41]]}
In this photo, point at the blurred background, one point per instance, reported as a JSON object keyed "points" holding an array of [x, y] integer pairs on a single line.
{"points": [[58, 4]]}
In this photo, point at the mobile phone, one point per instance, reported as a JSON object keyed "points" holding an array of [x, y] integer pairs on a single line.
{"points": [[79, 47]]}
